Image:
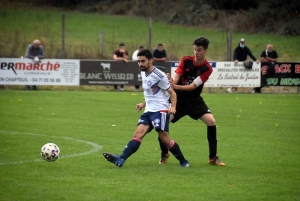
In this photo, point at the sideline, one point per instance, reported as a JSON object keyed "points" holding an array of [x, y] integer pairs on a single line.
{"points": [[96, 147]]}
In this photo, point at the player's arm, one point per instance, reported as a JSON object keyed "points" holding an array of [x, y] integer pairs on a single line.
{"points": [[175, 78], [189, 87], [196, 83], [173, 98]]}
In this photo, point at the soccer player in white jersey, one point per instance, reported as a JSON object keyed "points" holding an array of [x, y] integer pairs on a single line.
{"points": [[157, 91]]}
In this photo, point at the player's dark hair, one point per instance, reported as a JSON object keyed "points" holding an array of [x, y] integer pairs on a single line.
{"points": [[201, 41], [159, 44], [145, 53], [121, 44]]}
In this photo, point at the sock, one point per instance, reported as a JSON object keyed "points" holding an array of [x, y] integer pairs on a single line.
{"points": [[175, 150], [130, 148], [212, 140], [163, 148]]}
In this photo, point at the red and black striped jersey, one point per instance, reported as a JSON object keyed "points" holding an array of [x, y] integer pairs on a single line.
{"points": [[189, 71]]}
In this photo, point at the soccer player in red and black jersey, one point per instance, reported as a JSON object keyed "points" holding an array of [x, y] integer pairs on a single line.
{"points": [[188, 81]]}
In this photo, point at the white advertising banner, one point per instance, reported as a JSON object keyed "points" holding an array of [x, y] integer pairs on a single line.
{"points": [[46, 72], [229, 74]]}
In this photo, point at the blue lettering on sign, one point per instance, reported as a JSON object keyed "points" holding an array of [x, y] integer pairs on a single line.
{"points": [[213, 64], [175, 64]]}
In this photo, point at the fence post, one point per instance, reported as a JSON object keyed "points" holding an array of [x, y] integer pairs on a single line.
{"points": [[229, 44], [101, 42], [63, 37], [149, 33]]}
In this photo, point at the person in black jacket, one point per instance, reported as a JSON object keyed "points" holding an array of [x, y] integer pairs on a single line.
{"points": [[268, 58], [240, 54]]}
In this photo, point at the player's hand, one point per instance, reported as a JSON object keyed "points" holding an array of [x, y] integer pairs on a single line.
{"points": [[172, 110], [173, 85], [125, 60], [139, 106], [257, 61], [168, 76]]}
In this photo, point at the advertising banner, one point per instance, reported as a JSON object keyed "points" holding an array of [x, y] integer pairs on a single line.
{"points": [[281, 74], [95, 72], [46, 72], [229, 74]]}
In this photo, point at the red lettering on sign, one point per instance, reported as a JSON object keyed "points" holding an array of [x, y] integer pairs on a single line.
{"points": [[283, 68], [264, 70], [297, 68], [38, 66]]}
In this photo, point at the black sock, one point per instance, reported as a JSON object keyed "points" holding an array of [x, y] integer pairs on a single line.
{"points": [[163, 148], [175, 150], [212, 140]]}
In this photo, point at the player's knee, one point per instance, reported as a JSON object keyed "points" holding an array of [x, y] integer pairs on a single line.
{"points": [[211, 122], [164, 136], [141, 131], [138, 135]]}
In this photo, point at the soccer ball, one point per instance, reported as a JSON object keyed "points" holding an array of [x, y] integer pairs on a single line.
{"points": [[50, 152]]}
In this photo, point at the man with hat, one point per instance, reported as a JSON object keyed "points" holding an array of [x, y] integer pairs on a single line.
{"points": [[240, 54]]}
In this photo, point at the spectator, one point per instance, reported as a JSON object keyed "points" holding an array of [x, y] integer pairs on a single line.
{"points": [[120, 55], [134, 58], [134, 55], [159, 54], [35, 51], [268, 57], [240, 54]]}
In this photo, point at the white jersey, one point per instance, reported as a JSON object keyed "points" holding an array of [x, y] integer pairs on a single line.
{"points": [[156, 85]]}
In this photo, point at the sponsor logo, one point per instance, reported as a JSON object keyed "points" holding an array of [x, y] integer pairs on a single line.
{"points": [[48, 66], [156, 122], [105, 66]]}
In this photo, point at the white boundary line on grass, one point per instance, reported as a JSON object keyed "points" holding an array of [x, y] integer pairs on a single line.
{"points": [[96, 147]]}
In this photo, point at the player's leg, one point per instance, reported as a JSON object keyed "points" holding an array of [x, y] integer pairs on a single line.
{"points": [[173, 147], [133, 145], [160, 122], [164, 150], [210, 121]]}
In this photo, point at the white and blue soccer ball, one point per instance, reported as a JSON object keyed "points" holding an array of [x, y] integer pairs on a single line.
{"points": [[50, 152]]}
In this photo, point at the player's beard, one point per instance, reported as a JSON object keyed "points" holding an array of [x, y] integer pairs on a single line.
{"points": [[144, 68]]}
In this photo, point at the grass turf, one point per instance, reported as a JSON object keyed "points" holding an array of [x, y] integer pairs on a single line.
{"points": [[258, 137]]}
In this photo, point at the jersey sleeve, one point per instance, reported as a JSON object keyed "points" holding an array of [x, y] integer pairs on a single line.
{"points": [[204, 76], [179, 70], [164, 83]]}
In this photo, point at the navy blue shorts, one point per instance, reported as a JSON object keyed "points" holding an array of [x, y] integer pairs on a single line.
{"points": [[157, 120]]}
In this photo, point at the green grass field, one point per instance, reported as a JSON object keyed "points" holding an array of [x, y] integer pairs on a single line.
{"points": [[258, 137], [20, 25]]}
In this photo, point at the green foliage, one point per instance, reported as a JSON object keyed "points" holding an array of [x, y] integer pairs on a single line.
{"points": [[19, 27], [258, 138]]}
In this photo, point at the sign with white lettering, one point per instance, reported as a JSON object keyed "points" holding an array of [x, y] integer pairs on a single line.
{"points": [[103, 72]]}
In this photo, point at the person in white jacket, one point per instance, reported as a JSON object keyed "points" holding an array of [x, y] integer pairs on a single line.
{"points": [[135, 58], [134, 55]]}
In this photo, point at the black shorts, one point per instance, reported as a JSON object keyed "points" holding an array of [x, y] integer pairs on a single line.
{"points": [[195, 108]]}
